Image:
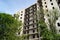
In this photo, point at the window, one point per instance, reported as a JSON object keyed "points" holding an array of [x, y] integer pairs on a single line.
{"points": [[37, 36], [56, 18], [58, 24], [24, 27], [27, 27], [53, 7], [24, 32], [20, 17], [27, 31], [51, 3], [33, 31], [33, 36], [18, 33], [33, 26], [48, 15], [50, 0], [21, 14], [21, 11], [59, 30], [47, 10], [46, 6], [45, 2]]}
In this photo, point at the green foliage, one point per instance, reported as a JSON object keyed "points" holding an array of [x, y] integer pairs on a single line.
{"points": [[53, 16], [57, 37], [45, 33], [8, 27]]}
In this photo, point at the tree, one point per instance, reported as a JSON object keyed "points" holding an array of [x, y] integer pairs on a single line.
{"points": [[45, 33], [8, 27], [53, 16]]}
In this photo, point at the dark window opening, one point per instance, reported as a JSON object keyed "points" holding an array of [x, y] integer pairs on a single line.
{"points": [[24, 27], [45, 2], [47, 10], [37, 36], [21, 11], [46, 6], [59, 30], [20, 17], [56, 18], [48, 15], [18, 33], [50, 0], [51, 3], [27, 31], [28, 27], [53, 7], [33, 36], [33, 31], [33, 26], [21, 14], [58, 24]]}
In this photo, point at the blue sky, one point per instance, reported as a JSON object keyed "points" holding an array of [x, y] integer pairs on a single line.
{"points": [[11, 6]]}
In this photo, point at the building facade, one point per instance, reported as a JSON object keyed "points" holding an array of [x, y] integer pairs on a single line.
{"points": [[49, 6], [58, 1], [30, 23], [20, 16], [29, 17]]}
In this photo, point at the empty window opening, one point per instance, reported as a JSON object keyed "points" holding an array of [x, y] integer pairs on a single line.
{"points": [[33, 36], [20, 17], [58, 24], [50, 0], [46, 6], [45, 2], [33, 31], [53, 7], [21, 11], [21, 14], [59, 30], [51, 3]]}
